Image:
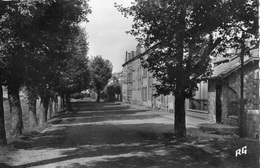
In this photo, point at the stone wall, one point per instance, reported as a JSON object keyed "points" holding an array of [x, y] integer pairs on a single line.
{"points": [[231, 91], [251, 89], [212, 99], [251, 85], [227, 100], [198, 114], [124, 84], [252, 100], [253, 123], [231, 94]]}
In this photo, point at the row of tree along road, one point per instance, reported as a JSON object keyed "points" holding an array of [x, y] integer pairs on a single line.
{"points": [[43, 48]]}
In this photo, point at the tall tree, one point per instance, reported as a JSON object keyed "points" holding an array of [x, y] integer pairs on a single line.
{"points": [[12, 47], [2, 117], [74, 73], [181, 35], [65, 42], [112, 88], [34, 33], [101, 71], [2, 120]]}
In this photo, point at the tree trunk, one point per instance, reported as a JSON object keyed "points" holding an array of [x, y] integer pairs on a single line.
{"points": [[54, 107], [50, 109], [46, 102], [68, 104], [59, 103], [242, 114], [98, 95], [16, 111], [42, 119], [62, 101], [43, 110], [32, 101], [180, 120], [55, 104], [2, 120]]}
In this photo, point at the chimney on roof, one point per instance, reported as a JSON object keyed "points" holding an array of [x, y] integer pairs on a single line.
{"points": [[126, 56], [129, 56], [133, 54]]}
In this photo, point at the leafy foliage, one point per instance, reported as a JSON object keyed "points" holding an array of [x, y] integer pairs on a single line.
{"points": [[101, 71], [74, 73], [182, 34], [42, 47], [35, 38], [112, 88]]}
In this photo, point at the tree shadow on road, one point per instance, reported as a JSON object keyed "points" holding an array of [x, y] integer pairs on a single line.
{"points": [[147, 148], [128, 139], [144, 150]]}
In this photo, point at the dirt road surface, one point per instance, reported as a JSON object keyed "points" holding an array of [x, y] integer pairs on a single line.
{"points": [[114, 135]]}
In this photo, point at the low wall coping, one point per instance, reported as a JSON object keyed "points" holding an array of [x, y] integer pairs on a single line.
{"points": [[253, 112], [198, 111]]}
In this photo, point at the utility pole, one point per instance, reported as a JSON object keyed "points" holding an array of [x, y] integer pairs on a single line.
{"points": [[259, 77], [242, 116]]}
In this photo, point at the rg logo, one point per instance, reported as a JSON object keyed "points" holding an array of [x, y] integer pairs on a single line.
{"points": [[241, 151]]}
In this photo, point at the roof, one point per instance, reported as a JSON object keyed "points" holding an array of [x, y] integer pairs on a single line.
{"points": [[131, 60], [146, 52], [226, 68]]}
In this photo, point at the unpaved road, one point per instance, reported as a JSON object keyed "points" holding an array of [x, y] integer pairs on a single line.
{"points": [[113, 135]]}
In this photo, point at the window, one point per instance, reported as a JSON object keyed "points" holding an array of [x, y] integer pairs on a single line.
{"points": [[144, 73], [129, 94], [144, 93], [233, 102], [150, 93], [200, 101], [129, 77], [234, 108], [162, 98]]}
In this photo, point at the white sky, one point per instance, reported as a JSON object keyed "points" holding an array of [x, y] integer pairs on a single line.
{"points": [[107, 32]]}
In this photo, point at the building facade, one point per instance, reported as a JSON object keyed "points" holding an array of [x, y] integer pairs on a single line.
{"points": [[138, 85], [216, 100]]}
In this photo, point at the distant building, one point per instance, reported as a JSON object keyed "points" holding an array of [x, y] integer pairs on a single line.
{"points": [[138, 85], [119, 76]]}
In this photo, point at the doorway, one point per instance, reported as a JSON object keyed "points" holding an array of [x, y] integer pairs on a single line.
{"points": [[218, 103]]}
